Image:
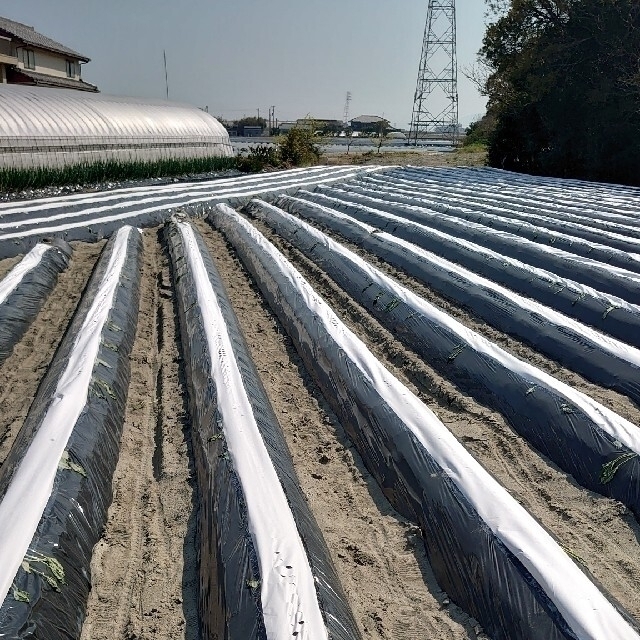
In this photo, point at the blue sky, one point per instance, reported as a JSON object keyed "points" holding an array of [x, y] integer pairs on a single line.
{"points": [[243, 55]]}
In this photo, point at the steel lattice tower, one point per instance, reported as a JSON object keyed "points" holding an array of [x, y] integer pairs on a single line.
{"points": [[435, 106]]}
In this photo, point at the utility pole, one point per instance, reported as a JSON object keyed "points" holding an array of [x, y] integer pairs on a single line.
{"points": [[166, 77], [435, 103], [272, 118]]}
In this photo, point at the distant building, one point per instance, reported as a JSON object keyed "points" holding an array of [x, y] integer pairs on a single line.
{"points": [[285, 127], [30, 58], [252, 131], [320, 124], [369, 124]]}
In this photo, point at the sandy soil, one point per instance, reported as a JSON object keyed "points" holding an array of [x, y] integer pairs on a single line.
{"points": [[600, 534], [21, 372], [144, 573], [379, 555], [7, 264]]}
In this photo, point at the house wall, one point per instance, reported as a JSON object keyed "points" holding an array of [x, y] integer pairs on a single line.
{"points": [[5, 46], [53, 64]]}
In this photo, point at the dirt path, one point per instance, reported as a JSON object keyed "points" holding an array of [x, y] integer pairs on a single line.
{"points": [[599, 533], [21, 372], [144, 578], [7, 264], [379, 556]]}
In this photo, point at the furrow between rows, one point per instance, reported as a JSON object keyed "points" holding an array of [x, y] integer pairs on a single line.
{"points": [[377, 553], [599, 532]]}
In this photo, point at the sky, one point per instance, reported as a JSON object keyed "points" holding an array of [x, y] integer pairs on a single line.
{"points": [[241, 56]]}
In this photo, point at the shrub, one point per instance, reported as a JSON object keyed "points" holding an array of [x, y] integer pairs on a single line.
{"points": [[259, 158], [298, 148]]}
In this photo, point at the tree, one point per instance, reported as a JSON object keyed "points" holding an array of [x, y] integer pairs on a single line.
{"points": [[298, 148], [348, 132], [383, 132], [479, 132], [564, 87]]}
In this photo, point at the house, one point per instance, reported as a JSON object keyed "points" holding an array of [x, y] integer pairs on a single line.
{"points": [[369, 124], [28, 57]]}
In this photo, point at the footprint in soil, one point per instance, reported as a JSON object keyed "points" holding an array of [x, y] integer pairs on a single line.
{"points": [[360, 557]]}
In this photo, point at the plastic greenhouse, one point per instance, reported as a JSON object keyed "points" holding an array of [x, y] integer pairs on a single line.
{"points": [[42, 127]]}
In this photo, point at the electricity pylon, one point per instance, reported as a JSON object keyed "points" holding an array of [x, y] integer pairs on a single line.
{"points": [[435, 104], [346, 109]]}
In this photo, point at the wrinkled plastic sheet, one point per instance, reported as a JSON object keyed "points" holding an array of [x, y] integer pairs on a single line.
{"points": [[520, 228], [598, 357], [404, 220], [89, 218], [25, 288], [573, 236], [563, 203], [610, 314], [618, 234], [591, 198], [580, 435], [236, 590], [471, 525], [47, 598]]}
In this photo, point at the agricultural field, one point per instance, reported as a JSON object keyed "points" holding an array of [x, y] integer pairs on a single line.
{"points": [[340, 402]]}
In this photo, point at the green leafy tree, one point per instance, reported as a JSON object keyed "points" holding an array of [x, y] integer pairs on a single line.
{"points": [[564, 87]]}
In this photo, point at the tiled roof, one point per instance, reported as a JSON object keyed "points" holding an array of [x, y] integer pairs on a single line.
{"points": [[42, 79], [30, 36]]}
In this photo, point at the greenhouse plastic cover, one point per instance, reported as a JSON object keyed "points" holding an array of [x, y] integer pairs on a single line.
{"points": [[55, 485], [487, 552], [262, 556], [55, 122], [25, 288]]}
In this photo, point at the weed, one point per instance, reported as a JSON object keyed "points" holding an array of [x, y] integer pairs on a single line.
{"points": [[610, 469], [54, 578], [70, 465], [19, 595]]}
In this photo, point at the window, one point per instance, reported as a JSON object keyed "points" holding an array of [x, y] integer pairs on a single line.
{"points": [[71, 69], [29, 58]]}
